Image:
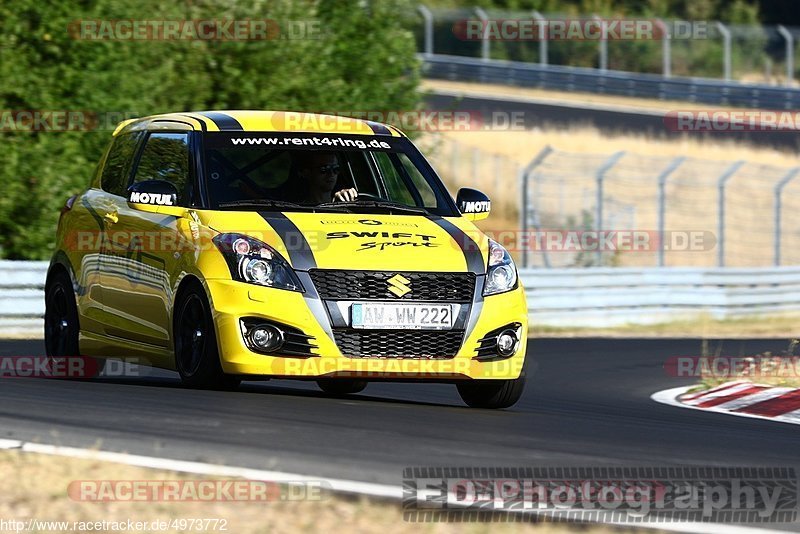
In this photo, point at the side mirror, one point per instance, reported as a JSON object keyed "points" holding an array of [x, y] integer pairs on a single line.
{"points": [[153, 193], [473, 204]]}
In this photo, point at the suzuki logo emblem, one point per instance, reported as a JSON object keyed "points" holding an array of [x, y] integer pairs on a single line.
{"points": [[398, 285]]}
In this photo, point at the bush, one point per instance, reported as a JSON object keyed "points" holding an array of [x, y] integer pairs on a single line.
{"points": [[362, 61]]}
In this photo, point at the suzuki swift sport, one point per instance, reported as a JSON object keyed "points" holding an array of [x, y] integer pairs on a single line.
{"points": [[248, 245]]}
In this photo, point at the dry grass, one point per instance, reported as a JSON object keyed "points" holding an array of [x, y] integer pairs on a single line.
{"points": [[544, 95], [779, 370], [35, 486]]}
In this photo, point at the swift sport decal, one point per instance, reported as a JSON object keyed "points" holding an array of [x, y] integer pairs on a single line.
{"points": [[396, 239]]}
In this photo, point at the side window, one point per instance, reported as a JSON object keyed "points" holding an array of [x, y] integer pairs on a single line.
{"points": [[166, 157], [422, 185], [117, 169], [397, 190]]}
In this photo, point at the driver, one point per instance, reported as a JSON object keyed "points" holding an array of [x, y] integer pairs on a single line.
{"points": [[318, 173]]}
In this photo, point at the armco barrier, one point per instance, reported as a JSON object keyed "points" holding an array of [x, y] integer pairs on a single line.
{"points": [[599, 297], [586, 80], [604, 297], [22, 297]]}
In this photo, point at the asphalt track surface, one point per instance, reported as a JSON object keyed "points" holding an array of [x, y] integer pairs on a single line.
{"points": [[587, 403]]}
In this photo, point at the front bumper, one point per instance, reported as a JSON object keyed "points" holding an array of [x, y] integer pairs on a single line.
{"points": [[232, 301]]}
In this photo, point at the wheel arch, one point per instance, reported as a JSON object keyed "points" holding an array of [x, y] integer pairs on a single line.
{"points": [[187, 281], [60, 262]]}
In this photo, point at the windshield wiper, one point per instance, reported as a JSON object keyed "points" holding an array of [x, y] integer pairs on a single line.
{"points": [[266, 203], [385, 204]]}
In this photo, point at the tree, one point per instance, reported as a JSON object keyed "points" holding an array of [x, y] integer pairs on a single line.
{"points": [[359, 60]]}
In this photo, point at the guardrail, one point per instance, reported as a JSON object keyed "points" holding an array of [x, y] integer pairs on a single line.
{"points": [[595, 297], [603, 297], [579, 79], [22, 297]]}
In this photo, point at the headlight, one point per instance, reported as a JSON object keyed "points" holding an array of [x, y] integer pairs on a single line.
{"points": [[501, 275], [255, 262]]}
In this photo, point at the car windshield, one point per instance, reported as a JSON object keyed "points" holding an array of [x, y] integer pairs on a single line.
{"points": [[302, 171]]}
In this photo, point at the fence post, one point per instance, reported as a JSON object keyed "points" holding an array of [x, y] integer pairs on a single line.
{"points": [[485, 33], [726, 52], [603, 51], [601, 174], [476, 156], [543, 37], [524, 177], [454, 162], [498, 171], [666, 49], [427, 16], [723, 179], [787, 35], [778, 207], [662, 204]]}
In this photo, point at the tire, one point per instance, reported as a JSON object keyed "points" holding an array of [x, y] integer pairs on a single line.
{"points": [[61, 328], [492, 394], [196, 351], [339, 387]]}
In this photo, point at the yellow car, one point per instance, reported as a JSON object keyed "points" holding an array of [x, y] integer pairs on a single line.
{"points": [[252, 245]]}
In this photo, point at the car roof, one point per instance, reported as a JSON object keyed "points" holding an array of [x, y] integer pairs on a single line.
{"points": [[259, 121]]}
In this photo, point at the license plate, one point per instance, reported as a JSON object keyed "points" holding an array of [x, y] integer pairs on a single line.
{"points": [[376, 315]]}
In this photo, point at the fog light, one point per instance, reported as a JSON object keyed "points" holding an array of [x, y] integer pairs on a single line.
{"points": [[266, 337], [507, 342]]}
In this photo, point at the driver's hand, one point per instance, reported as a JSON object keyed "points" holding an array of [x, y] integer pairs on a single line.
{"points": [[346, 195]]}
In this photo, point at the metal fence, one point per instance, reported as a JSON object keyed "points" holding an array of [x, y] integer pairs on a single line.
{"points": [[751, 53], [610, 82], [686, 212]]}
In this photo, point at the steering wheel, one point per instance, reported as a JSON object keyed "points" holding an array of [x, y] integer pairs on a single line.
{"points": [[368, 196]]}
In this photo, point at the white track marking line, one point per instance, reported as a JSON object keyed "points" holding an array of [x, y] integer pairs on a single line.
{"points": [[712, 390], [670, 398], [721, 393], [338, 485], [790, 417], [755, 398], [345, 486]]}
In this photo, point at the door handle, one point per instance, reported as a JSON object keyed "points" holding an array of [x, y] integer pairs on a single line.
{"points": [[111, 217]]}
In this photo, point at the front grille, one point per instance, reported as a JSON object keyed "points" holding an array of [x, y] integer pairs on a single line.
{"points": [[373, 285], [418, 344]]}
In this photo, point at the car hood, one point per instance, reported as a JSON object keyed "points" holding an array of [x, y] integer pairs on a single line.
{"points": [[363, 241]]}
